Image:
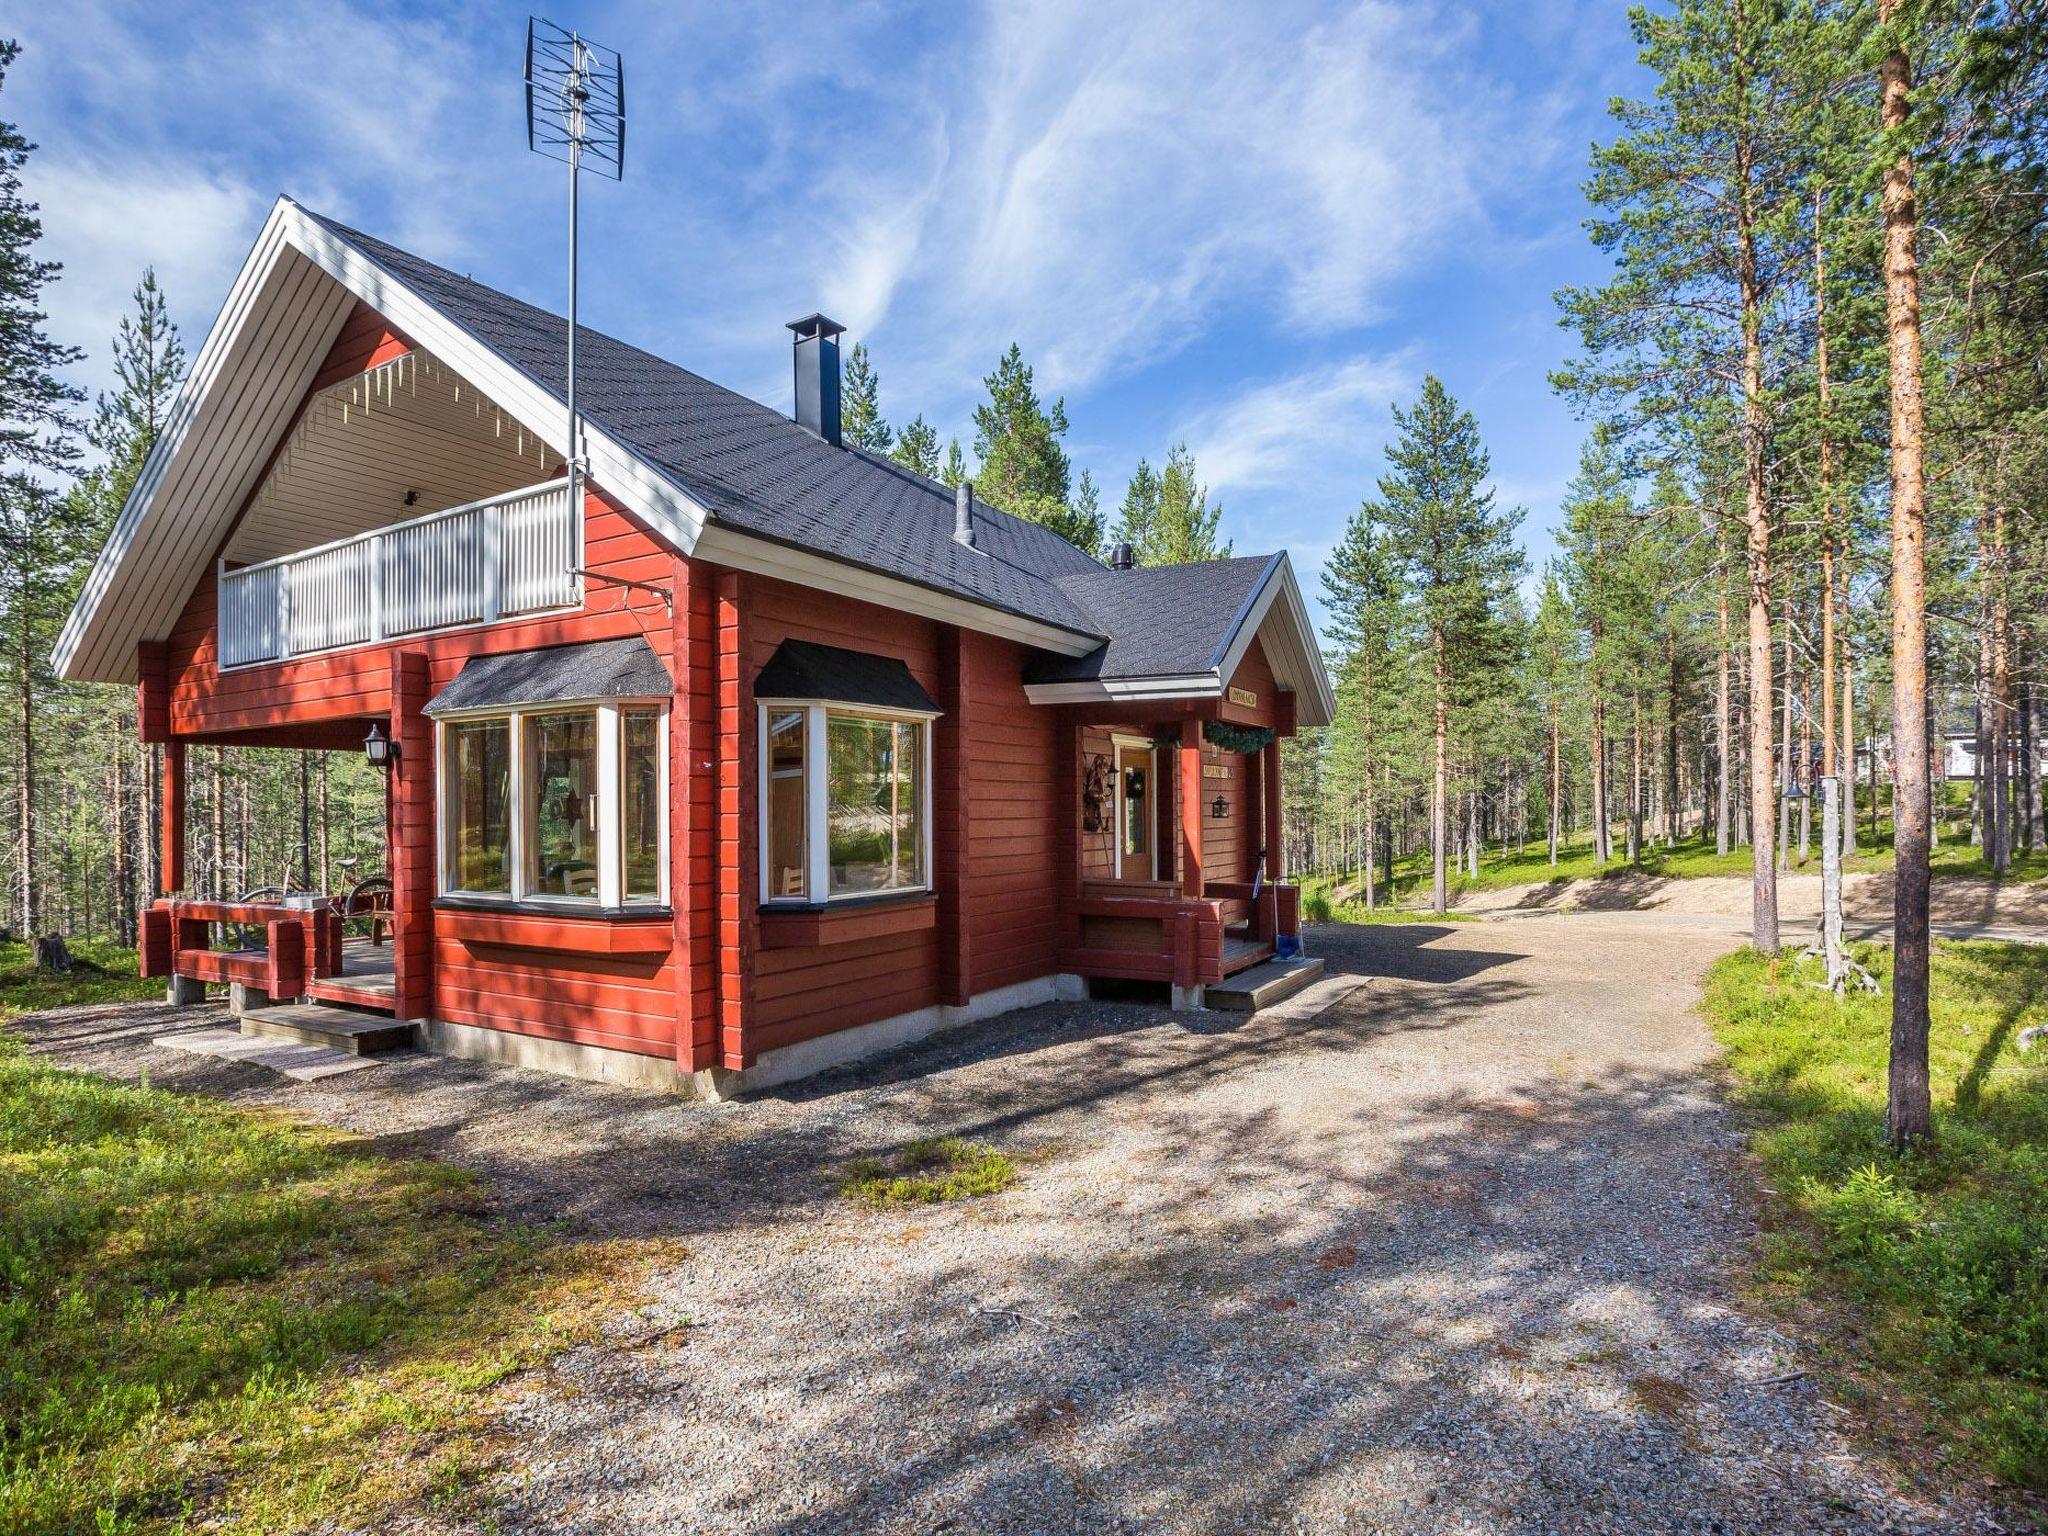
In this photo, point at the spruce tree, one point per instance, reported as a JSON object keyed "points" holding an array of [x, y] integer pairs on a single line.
{"points": [[956, 464], [1185, 529], [917, 448], [1139, 514], [1023, 468], [860, 405], [1458, 562]]}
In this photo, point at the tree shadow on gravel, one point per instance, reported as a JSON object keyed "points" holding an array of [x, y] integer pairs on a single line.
{"points": [[1464, 1313]]}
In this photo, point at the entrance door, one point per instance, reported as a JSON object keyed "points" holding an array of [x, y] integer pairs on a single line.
{"points": [[1136, 813]]}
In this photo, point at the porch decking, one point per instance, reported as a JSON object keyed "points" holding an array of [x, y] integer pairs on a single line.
{"points": [[368, 978]]}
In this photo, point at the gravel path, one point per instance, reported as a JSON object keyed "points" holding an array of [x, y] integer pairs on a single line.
{"points": [[1442, 1256]]}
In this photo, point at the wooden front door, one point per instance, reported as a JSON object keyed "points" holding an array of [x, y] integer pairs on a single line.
{"points": [[1136, 814]]}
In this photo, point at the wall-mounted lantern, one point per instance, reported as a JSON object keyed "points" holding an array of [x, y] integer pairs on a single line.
{"points": [[1219, 809], [379, 749]]}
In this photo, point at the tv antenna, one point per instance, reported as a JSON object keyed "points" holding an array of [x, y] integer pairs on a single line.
{"points": [[575, 113]]}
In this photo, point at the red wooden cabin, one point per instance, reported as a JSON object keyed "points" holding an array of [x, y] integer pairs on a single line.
{"points": [[762, 753]]}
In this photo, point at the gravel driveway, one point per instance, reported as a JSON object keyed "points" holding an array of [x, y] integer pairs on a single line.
{"points": [[1435, 1250]]}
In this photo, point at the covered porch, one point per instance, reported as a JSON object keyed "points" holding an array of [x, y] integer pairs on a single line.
{"points": [[1176, 873]]}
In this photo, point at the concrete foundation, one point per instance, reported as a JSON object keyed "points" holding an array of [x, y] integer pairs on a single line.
{"points": [[243, 998], [184, 992], [717, 1084], [1187, 999]]}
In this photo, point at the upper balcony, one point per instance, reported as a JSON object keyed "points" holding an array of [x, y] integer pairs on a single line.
{"points": [[477, 563]]}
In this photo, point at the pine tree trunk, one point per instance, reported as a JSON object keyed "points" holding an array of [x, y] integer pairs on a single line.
{"points": [[24, 788], [1601, 849], [1723, 745], [1441, 788], [1909, 1114], [1757, 548], [1847, 761], [2030, 759], [1556, 777], [1785, 748]]}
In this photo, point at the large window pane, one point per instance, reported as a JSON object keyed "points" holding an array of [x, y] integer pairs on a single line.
{"points": [[480, 795], [640, 802], [874, 798], [788, 806], [562, 805]]}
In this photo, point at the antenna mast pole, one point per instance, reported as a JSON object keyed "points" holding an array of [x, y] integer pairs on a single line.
{"points": [[576, 113], [576, 94]]}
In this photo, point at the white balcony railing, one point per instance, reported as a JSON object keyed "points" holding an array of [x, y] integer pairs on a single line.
{"points": [[468, 565]]}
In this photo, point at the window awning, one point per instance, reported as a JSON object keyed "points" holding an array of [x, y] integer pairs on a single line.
{"points": [[602, 669], [800, 669]]}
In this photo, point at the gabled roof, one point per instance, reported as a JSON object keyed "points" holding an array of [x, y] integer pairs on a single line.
{"points": [[1181, 630], [710, 471]]}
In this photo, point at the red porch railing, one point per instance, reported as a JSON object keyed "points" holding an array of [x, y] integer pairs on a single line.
{"points": [[1175, 939], [300, 944]]}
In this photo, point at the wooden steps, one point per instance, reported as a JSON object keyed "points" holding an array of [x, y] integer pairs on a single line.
{"points": [[339, 1029], [1263, 985]]}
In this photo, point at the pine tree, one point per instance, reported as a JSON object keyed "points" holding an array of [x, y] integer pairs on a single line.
{"points": [[956, 464], [917, 448], [1458, 563], [38, 544], [860, 405], [1701, 202], [36, 420]]}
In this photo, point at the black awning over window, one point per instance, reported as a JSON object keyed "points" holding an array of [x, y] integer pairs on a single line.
{"points": [[802, 670], [603, 669]]}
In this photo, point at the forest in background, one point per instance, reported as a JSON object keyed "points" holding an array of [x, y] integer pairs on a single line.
{"points": [[1717, 602]]}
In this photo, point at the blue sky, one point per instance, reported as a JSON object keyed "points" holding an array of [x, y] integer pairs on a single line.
{"points": [[1253, 227]]}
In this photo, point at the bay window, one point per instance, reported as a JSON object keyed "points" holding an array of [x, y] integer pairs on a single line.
{"points": [[560, 804], [845, 796]]}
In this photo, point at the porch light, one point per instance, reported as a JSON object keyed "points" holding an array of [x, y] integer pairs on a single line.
{"points": [[1219, 809], [379, 749]]}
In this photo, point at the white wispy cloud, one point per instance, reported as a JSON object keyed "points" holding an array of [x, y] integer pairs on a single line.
{"points": [[1307, 427]]}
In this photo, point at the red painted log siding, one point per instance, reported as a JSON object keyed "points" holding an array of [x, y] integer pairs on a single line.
{"points": [[1011, 910], [799, 994], [624, 1004]]}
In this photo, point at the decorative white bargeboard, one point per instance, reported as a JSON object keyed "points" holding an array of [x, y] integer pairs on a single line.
{"points": [[473, 564]]}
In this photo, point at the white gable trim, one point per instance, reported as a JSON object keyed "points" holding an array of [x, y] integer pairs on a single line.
{"points": [[1291, 651], [282, 314]]}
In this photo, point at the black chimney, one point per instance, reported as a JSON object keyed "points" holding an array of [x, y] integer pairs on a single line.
{"points": [[1122, 558], [817, 375]]}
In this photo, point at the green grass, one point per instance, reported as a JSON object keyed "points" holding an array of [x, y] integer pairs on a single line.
{"points": [[213, 1318], [928, 1171], [1691, 858], [103, 974], [1940, 1258]]}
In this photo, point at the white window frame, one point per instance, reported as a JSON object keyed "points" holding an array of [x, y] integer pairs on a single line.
{"points": [[817, 848], [609, 791]]}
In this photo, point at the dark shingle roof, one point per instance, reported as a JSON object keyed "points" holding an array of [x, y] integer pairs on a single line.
{"points": [[754, 468], [600, 669], [800, 669], [1162, 620]]}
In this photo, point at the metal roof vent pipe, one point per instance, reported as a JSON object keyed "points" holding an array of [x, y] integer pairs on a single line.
{"points": [[963, 513], [1122, 558], [817, 375]]}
